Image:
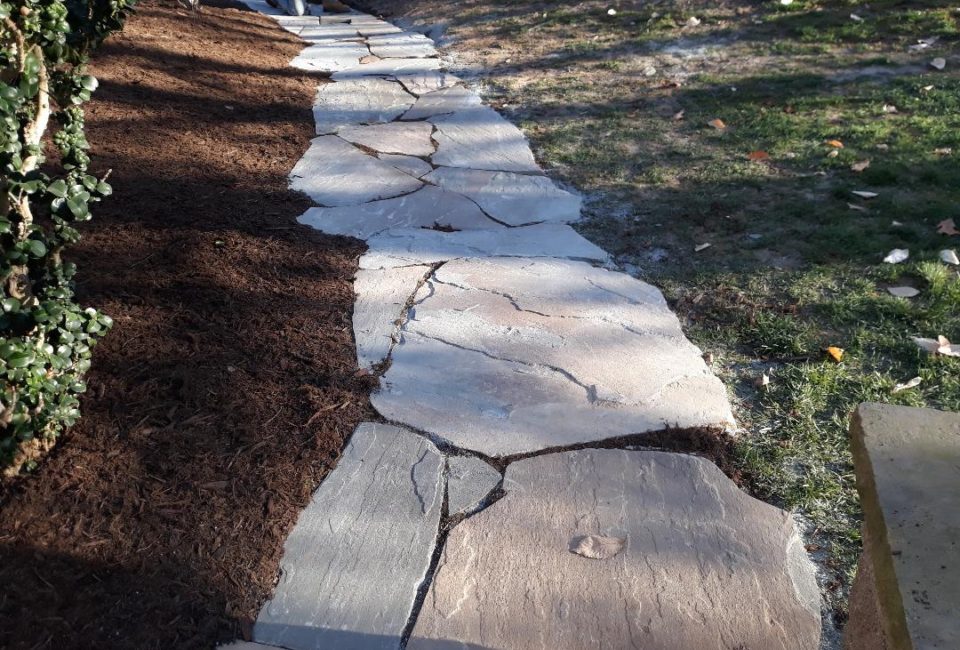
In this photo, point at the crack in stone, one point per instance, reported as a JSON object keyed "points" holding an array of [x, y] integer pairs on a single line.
{"points": [[404, 315]]}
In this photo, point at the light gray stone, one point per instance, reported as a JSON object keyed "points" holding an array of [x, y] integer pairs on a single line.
{"points": [[427, 82], [330, 57], [510, 355], [401, 46], [317, 34], [408, 164], [388, 68], [443, 101], [480, 138], [333, 172], [245, 645], [405, 246], [469, 481], [367, 100], [514, 199], [378, 29], [703, 564], [262, 7], [381, 297], [426, 208], [412, 139], [353, 563]]}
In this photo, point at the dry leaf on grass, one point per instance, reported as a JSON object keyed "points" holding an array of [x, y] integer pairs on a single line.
{"points": [[762, 381], [903, 292], [860, 166], [947, 227], [864, 194], [836, 144], [701, 247], [948, 256], [833, 153], [855, 18], [938, 63], [835, 353], [597, 547], [693, 21], [913, 383], [678, 115], [939, 345], [858, 208], [718, 124], [758, 155], [897, 255], [889, 108]]}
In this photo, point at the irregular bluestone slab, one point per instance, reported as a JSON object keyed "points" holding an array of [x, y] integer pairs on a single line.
{"points": [[696, 563], [378, 29], [403, 247], [359, 101], [401, 46], [442, 102], [412, 139], [469, 481], [480, 138], [381, 297], [317, 34], [388, 68], [511, 355], [408, 164], [334, 172], [353, 563], [330, 57], [422, 83], [514, 199], [426, 208]]}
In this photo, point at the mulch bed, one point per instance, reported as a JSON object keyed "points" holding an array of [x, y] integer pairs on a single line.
{"points": [[228, 385]]}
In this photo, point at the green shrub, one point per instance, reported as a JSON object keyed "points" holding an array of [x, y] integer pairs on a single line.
{"points": [[45, 336]]}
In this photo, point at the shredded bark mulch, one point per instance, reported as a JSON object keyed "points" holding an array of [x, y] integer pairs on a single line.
{"points": [[228, 385]]}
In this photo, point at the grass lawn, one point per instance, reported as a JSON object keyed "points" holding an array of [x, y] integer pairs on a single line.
{"points": [[618, 104]]}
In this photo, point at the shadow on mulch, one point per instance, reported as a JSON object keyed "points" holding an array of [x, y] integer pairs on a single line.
{"points": [[228, 385]]}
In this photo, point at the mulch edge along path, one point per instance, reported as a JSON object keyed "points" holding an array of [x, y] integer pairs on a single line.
{"points": [[228, 386]]}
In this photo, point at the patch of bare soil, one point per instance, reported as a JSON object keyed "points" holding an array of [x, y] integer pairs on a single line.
{"points": [[226, 390]]}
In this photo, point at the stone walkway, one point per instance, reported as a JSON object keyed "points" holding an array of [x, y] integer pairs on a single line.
{"points": [[508, 504]]}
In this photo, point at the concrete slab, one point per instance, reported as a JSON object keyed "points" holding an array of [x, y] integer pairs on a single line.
{"points": [[381, 297], [480, 138], [354, 561], [702, 565], [544, 353], [333, 173], [426, 208], [442, 102], [367, 100], [513, 199], [412, 139], [406, 246]]}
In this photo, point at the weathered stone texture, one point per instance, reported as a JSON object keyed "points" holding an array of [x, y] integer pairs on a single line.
{"points": [[480, 138], [469, 481], [381, 296], [411, 138], [358, 101]]}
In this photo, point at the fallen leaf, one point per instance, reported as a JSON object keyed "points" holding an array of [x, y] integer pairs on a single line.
{"points": [[701, 247], [913, 383], [947, 227], [896, 224], [897, 255], [939, 345], [858, 208], [836, 144], [786, 3], [889, 108], [860, 166], [923, 44], [948, 256], [708, 358], [611, 12], [718, 124], [938, 63], [863, 194], [855, 18], [835, 353], [903, 292], [833, 153], [762, 381], [943, 151], [758, 155], [678, 115], [927, 89], [693, 21], [597, 547]]}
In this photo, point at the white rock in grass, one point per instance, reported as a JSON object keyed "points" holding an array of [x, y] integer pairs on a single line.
{"points": [[948, 256], [897, 255]]}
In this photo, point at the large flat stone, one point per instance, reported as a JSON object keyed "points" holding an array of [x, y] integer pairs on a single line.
{"points": [[702, 564], [381, 297], [378, 29], [412, 139], [510, 355], [402, 247], [469, 481], [514, 199], [408, 164], [907, 462], [425, 208], [359, 101], [401, 46], [330, 57], [353, 563], [333, 172], [422, 83], [480, 138], [317, 34], [442, 102], [388, 68]]}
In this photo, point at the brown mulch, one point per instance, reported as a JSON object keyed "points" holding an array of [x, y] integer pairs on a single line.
{"points": [[228, 385]]}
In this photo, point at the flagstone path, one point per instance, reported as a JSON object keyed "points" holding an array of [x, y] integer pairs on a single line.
{"points": [[507, 504]]}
